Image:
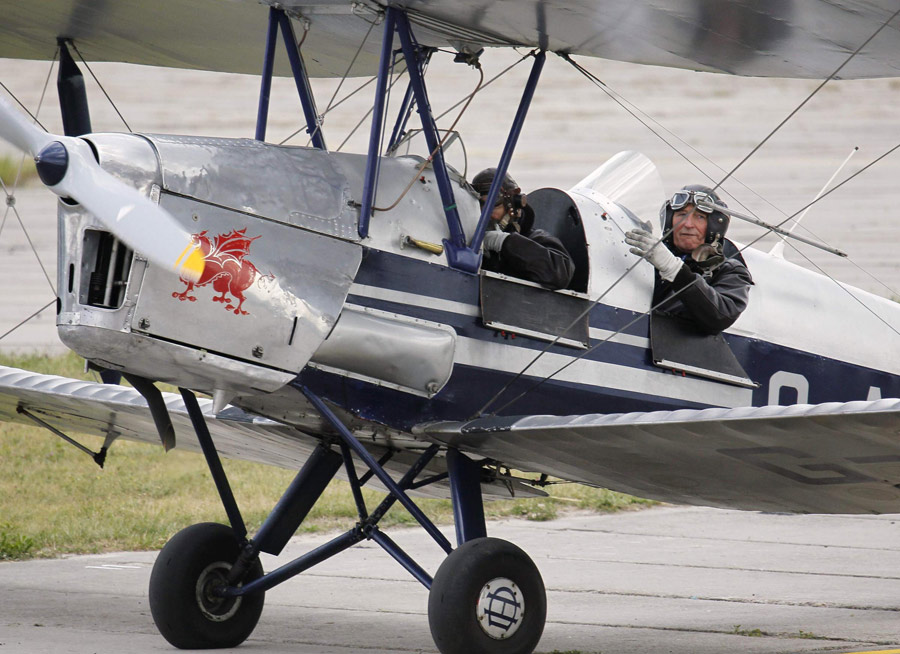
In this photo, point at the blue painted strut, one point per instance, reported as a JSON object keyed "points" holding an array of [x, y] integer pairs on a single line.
{"points": [[301, 79], [458, 256], [265, 89], [508, 150], [383, 476], [465, 491], [402, 118], [372, 160], [214, 463]]}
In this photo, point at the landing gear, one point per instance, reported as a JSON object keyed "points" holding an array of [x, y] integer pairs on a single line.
{"points": [[184, 599], [207, 587], [487, 596]]}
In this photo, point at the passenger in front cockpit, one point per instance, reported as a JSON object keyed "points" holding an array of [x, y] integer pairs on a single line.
{"points": [[700, 275], [512, 245]]}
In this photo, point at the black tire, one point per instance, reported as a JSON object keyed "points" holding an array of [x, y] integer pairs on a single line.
{"points": [[186, 614], [455, 593]]}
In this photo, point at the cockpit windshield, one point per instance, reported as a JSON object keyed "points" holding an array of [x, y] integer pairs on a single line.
{"points": [[630, 180]]}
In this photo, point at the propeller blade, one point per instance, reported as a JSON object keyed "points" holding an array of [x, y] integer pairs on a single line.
{"points": [[68, 167], [20, 131]]}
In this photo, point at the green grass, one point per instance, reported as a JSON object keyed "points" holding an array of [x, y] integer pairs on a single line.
{"points": [[14, 167], [54, 500]]}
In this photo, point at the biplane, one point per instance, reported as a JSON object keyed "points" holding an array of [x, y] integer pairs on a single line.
{"points": [[333, 308]]}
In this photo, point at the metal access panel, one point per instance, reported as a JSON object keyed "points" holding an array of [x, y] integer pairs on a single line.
{"points": [[677, 345], [269, 295], [528, 309], [238, 173]]}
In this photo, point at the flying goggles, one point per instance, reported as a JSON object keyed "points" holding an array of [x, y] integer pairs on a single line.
{"points": [[703, 201]]}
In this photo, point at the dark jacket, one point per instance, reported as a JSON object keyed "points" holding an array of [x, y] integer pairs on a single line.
{"points": [[710, 299], [538, 257]]}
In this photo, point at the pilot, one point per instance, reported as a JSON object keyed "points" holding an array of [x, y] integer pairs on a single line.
{"points": [[512, 245], [700, 275]]}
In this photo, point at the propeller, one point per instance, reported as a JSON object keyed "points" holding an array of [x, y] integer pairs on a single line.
{"points": [[68, 167]]}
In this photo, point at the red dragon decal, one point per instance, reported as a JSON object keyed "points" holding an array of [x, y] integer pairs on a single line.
{"points": [[226, 268]]}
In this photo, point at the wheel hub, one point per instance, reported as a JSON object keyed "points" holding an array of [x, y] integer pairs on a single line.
{"points": [[500, 608], [213, 606]]}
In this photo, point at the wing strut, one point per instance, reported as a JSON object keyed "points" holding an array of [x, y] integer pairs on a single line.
{"points": [[98, 457], [508, 149], [279, 19]]}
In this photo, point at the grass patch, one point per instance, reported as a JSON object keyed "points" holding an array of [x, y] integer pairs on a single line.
{"points": [[753, 633], [54, 500], [15, 167]]}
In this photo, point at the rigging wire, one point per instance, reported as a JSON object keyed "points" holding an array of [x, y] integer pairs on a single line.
{"points": [[809, 97], [627, 105], [487, 84], [368, 113], [36, 313], [438, 147], [340, 84], [325, 113], [22, 106], [12, 206], [113, 104], [10, 195], [653, 308]]}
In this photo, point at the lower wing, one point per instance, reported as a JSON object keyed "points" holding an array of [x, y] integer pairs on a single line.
{"points": [[111, 411], [827, 458]]}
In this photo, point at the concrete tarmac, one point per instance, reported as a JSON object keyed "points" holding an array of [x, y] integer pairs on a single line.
{"points": [[668, 579]]}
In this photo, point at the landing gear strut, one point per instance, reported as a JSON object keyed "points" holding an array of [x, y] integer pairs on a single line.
{"points": [[207, 587]]}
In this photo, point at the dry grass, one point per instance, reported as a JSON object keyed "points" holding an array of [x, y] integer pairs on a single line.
{"points": [[55, 500]]}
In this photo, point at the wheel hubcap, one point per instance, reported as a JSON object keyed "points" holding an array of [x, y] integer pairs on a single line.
{"points": [[501, 608], [213, 606]]}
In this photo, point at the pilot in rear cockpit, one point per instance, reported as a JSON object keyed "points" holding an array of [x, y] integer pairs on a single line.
{"points": [[701, 276], [512, 246]]}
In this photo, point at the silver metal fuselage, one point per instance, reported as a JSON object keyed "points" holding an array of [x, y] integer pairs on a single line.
{"points": [[291, 289]]}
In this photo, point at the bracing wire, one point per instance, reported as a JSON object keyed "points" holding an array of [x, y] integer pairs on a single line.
{"points": [[643, 315], [10, 197], [340, 84], [112, 104], [755, 149], [368, 113], [35, 314], [438, 147], [808, 98], [631, 108]]}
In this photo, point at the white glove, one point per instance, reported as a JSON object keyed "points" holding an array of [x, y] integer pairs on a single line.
{"points": [[493, 240], [644, 244]]}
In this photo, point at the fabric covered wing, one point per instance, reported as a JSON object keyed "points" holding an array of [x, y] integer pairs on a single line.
{"points": [[768, 38], [78, 407], [827, 458], [75, 406]]}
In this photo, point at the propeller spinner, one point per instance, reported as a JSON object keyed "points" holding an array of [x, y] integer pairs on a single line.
{"points": [[68, 168]]}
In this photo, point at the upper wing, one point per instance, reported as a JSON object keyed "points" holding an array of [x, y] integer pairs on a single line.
{"points": [[71, 405], [828, 458], [767, 38]]}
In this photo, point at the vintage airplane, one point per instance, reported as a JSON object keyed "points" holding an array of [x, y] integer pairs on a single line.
{"points": [[338, 333]]}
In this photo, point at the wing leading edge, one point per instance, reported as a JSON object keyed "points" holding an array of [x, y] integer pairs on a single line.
{"points": [[828, 458], [75, 406]]}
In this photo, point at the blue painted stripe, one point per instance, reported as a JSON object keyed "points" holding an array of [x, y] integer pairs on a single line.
{"points": [[829, 379]]}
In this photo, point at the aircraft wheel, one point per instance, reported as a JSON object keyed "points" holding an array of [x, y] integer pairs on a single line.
{"points": [[487, 596], [192, 564]]}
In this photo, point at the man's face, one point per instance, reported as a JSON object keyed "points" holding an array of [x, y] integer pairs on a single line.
{"points": [[499, 210], [689, 228]]}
